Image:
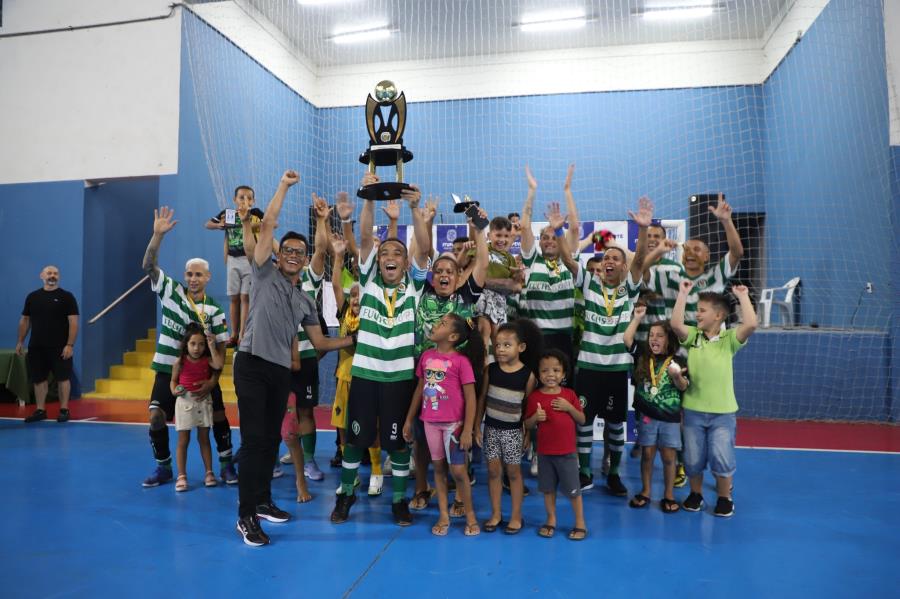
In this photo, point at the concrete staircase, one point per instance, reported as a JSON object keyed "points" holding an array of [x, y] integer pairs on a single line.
{"points": [[133, 379]]}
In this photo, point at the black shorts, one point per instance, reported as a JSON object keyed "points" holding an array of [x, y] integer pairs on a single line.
{"points": [[603, 395], [376, 406], [305, 383], [161, 397], [41, 361]]}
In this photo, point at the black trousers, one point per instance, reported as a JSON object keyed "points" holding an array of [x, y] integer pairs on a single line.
{"points": [[262, 389]]}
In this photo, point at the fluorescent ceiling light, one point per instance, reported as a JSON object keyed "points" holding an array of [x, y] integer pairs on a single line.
{"points": [[687, 9], [362, 35], [555, 21], [318, 2]]}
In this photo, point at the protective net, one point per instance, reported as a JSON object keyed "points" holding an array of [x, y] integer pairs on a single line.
{"points": [[643, 99]]}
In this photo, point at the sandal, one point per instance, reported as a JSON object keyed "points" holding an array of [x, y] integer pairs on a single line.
{"points": [[639, 501], [546, 531], [488, 527], [440, 529], [420, 500], [577, 534], [472, 530], [457, 509], [181, 483], [210, 480], [509, 530], [669, 506]]}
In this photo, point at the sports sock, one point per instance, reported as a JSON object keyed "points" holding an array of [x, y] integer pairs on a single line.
{"points": [[222, 435], [585, 442], [308, 443], [399, 472], [159, 441], [375, 458], [615, 439], [349, 468]]}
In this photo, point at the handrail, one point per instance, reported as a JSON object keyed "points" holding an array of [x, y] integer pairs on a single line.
{"points": [[118, 300]]}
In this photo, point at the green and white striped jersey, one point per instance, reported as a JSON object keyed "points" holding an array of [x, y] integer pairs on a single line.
{"points": [[603, 343], [549, 293], [385, 344], [177, 313], [660, 306], [311, 283], [714, 279]]}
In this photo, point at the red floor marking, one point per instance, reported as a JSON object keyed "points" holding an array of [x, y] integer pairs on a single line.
{"points": [[790, 434]]}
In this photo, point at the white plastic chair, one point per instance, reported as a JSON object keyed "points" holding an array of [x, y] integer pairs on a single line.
{"points": [[786, 307]]}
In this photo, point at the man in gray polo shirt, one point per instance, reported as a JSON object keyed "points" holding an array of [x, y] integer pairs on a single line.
{"points": [[263, 364]]}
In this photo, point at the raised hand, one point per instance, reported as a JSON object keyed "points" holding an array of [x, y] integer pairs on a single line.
{"points": [[412, 196], [685, 287], [162, 220], [343, 205], [644, 214], [338, 245], [483, 214], [532, 182], [568, 184], [320, 207], [640, 310], [290, 177], [740, 291], [554, 217], [392, 209], [429, 212], [540, 414], [369, 179], [667, 245], [722, 210]]}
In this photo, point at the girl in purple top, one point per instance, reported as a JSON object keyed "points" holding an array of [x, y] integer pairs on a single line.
{"points": [[445, 401]]}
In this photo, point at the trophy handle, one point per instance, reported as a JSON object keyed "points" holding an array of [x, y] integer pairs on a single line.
{"points": [[400, 106], [371, 107]]}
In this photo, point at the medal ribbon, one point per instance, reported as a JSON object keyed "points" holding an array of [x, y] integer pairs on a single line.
{"points": [[390, 303], [201, 316], [609, 301], [656, 375]]}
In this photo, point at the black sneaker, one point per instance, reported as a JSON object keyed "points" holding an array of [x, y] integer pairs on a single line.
{"points": [[615, 487], [341, 511], [402, 517], [586, 482], [693, 502], [248, 527], [724, 508], [63, 415], [37, 416], [272, 513], [337, 460]]}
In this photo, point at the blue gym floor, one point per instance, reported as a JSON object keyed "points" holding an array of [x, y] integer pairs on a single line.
{"points": [[79, 524]]}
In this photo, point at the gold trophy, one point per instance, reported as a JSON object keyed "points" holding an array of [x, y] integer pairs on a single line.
{"points": [[385, 121]]}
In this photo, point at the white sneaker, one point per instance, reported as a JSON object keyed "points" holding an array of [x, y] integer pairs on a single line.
{"points": [[534, 465], [376, 485], [386, 467], [286, 459], [339, 490], [277, 472]]}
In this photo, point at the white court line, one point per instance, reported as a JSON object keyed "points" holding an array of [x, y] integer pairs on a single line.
{"points": [[93, 420]]}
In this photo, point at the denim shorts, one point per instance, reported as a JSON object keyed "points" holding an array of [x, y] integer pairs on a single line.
{"points": [[657, 433], [709, 441]]}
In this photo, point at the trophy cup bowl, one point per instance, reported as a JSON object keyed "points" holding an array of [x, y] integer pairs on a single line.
{"points": [[385, 141]]}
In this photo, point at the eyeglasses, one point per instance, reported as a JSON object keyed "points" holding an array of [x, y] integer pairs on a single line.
{"points": [[437, 375], [289, 251]]}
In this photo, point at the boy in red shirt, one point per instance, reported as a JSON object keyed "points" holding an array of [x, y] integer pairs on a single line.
{"points": [[556, 410]]}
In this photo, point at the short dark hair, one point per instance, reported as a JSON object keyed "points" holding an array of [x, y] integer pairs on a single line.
{"points": [[718, 301], [294, 235], [659, 226], [557, 354], [617, 249], [247, 187], [513, 215], [461, 239], [500, 222], [594, 258]]}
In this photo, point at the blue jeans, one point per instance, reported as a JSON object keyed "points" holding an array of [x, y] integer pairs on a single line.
{"points": [[709, 440], [656, 433]]}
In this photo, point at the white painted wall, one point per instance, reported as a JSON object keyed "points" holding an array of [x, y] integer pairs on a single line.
{"points": [[892, 51], [91, 104], [638, 67]]}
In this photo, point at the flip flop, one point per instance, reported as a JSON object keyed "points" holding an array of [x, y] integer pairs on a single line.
{"points": [[440, 530], [639, 501], [514, 531], [577, 534], [546, 531], [488, 527], [420, 500], [457, 509], [669, 506], [472, 530]]}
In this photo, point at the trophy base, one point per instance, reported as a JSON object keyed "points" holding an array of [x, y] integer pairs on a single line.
{"points": [[386, 155], [384, 191]]}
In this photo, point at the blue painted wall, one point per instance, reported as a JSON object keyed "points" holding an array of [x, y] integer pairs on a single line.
{"points": [[894, 395], [40, 224], [112, 264]]}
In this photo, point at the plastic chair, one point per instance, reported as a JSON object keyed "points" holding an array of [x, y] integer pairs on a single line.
{"points": [[786, 307]]}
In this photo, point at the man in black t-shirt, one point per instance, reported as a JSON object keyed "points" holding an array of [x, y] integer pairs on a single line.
{"points": [[51, 314]]}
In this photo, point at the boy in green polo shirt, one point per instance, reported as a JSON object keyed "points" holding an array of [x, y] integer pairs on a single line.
{"points": [[709, 403]]}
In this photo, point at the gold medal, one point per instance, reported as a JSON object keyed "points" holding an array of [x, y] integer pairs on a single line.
{"points": [[653, 391], [656, 375], [608, 301], [389, 304]]}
